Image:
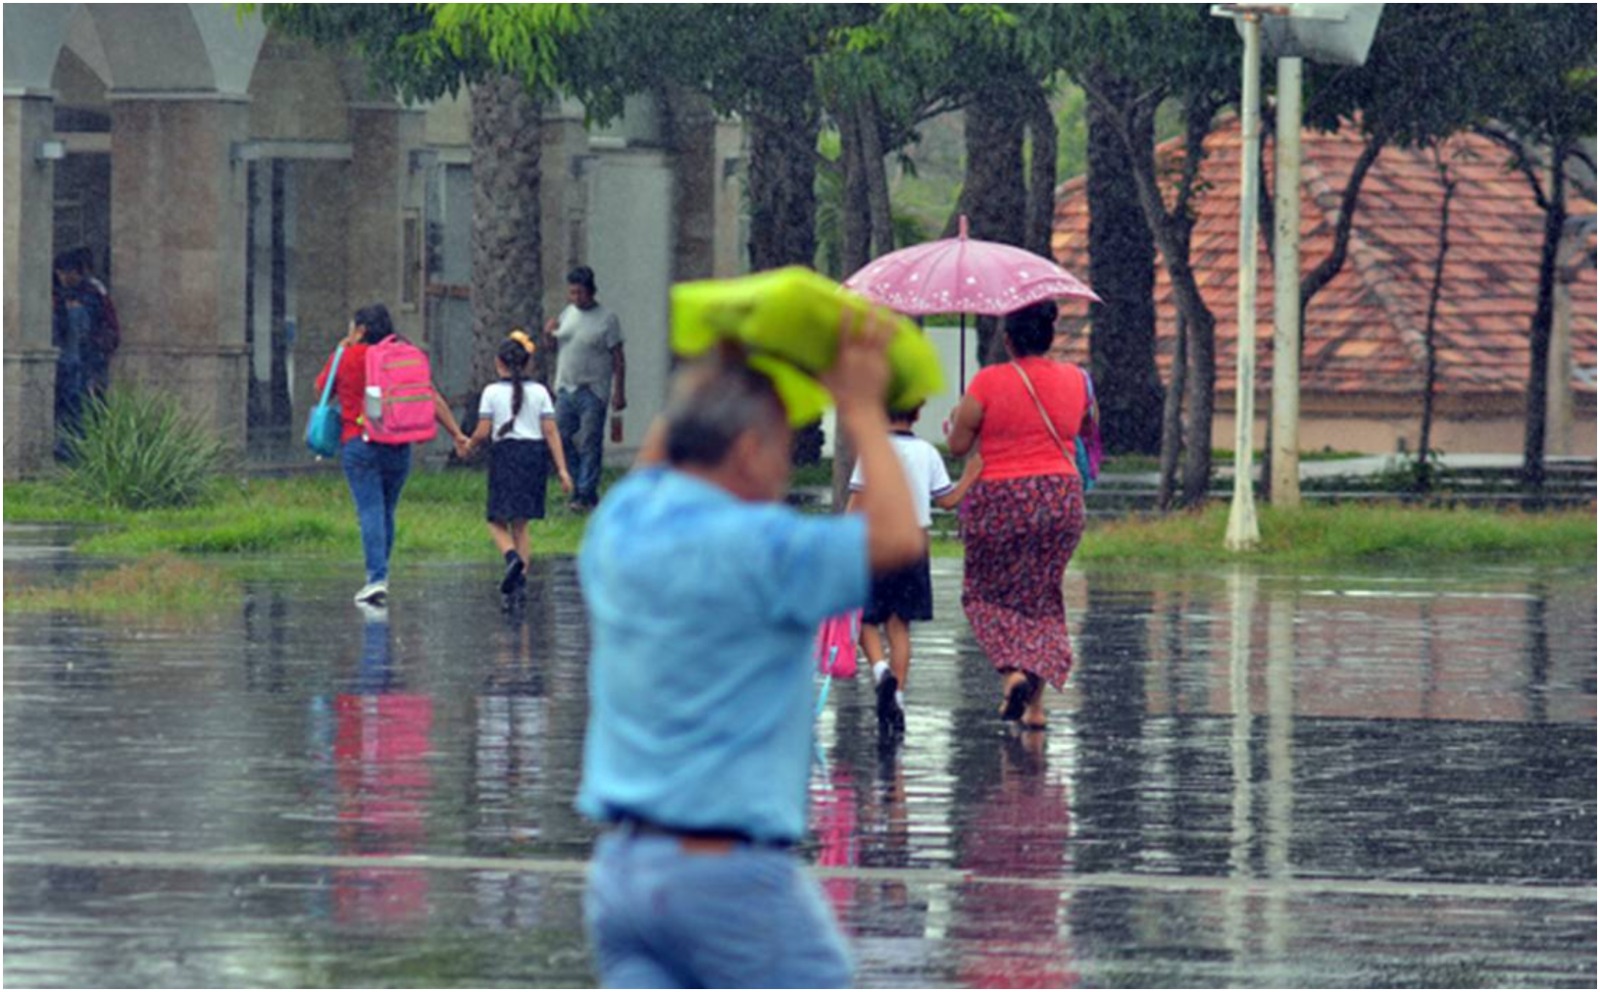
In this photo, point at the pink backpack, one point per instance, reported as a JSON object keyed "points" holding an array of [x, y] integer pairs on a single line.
{"points": [[398, 407], [836, 645]]}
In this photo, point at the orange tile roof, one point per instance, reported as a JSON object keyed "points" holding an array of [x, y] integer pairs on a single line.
{"points": [[1364, 330]]}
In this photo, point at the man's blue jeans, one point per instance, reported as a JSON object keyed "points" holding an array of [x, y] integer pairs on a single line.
{"points": [[658, 917], [580, 417], [376, 473]]}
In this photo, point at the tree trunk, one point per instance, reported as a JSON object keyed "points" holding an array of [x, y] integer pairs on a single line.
{"points": [[507, 270], [1555, 221], [1424, 472], [994, 188], [1172, 419], [1122, 270], [1172, 231], [854, 220], [782, 195], [1201, 384], [875, 177], [1039, 223]]}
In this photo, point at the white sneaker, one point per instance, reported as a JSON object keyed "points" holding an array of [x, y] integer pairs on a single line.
{"points": [[373, 592]]}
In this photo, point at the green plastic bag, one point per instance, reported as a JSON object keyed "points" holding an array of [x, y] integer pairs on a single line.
{"points": [[788, 320]]}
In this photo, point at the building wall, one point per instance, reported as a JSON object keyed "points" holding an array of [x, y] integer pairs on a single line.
{"points": [[30, 359], [630, 248], [178, 208], [1495, 430], [233, 285]]}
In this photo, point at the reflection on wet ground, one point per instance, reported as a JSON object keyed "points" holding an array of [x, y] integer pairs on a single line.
{"points": [[1253, 780]]}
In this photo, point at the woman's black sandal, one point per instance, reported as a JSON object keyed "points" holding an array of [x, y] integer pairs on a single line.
{"points": [[1019, 696]]}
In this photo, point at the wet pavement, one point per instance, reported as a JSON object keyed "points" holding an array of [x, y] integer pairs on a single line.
{"points": [[1254, 779]]}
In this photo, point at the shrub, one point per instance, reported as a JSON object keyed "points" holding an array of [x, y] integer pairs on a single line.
{"points": [[139, 450]]}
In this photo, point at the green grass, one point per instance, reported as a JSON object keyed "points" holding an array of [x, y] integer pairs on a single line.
{"points": [[154, 587], [1348, 533], [441, 518]]}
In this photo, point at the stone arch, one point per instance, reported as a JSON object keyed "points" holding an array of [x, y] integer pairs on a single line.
{"points": [[176, 48]]}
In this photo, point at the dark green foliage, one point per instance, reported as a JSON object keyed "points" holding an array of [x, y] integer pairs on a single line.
{"points": [[397, 41]]}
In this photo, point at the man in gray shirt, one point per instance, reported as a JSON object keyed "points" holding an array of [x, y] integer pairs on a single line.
{"points": [[589, 367]]}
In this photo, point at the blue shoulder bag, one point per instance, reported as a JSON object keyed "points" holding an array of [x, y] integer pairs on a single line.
{"points": [[325, 425]]}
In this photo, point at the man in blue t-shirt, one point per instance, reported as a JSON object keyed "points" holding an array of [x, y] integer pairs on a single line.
{"points": [[704, 592]]}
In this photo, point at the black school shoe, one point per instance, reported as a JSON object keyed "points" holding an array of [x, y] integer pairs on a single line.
{"points": [[891, 718], [513, 577]]}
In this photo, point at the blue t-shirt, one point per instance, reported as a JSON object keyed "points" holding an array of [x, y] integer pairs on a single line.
{"points": [[703, 609]]}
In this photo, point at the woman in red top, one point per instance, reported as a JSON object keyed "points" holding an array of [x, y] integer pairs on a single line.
{"points": [[376, 472], [1024, 517]]}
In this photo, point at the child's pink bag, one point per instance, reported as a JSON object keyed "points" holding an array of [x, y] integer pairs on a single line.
{"points": [[836, 645]]}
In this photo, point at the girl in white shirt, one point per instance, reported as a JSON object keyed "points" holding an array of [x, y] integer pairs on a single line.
{"points": [[518, 414]]}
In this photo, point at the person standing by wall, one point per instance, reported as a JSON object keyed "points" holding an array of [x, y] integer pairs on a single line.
{"points": [[85, 333], [375, 472], [105, 333], [590, 369], [704, 592]]}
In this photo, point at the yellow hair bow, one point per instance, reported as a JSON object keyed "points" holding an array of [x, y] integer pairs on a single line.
{"points": [[521, 337]]}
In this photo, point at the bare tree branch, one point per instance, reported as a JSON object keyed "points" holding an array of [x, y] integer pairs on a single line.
{"points": [[1330, 266], [1519, 158]]}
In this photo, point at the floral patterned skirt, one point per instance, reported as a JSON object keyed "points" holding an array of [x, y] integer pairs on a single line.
{"points": [[1019, 536]]}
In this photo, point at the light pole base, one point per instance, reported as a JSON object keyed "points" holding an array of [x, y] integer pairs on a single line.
{"points": [[1243, 533]]}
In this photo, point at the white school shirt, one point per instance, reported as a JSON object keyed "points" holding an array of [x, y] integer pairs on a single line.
{"points": [[495, 406], [925, 473]]}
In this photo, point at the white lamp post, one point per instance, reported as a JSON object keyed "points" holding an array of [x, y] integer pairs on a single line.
{"points": [[1327, 32]]}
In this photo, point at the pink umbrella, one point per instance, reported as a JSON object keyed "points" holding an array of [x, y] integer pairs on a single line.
{"points": [[962, 276]]}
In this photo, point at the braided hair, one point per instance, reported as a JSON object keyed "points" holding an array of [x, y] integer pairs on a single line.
{"points": [[513, 354]]}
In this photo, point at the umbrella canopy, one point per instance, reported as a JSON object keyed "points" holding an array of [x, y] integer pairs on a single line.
{"points": [[959, 275]]}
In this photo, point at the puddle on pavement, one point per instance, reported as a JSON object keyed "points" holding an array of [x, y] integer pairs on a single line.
{"points": [[1253, 779]]}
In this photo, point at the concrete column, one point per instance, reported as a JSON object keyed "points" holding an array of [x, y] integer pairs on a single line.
{"points": [[382, 137], [30, 359], [732, 213], [178, 221], [1286, 291]]}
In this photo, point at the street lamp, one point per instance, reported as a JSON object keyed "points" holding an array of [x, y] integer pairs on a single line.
{"points": [[1328, 32]]}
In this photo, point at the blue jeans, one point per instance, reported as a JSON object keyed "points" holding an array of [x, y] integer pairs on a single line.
{"points": [[376, 473], [658, 917], [580, 417]]}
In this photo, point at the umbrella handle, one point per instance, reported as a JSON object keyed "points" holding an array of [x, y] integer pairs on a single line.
{"points": [[963, 346], [827, 681]]}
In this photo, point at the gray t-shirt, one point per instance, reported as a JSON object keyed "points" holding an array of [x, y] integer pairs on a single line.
{"points": [[586, 338]]}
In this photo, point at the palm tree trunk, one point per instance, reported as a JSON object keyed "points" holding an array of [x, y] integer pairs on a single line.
{"points": [[507, 267]]}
